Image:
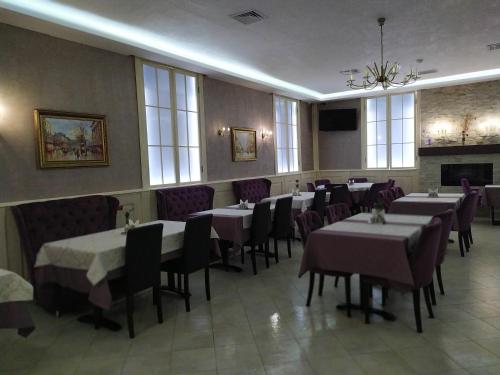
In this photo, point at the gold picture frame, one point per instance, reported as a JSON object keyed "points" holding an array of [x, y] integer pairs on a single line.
{"points": [[67, 140], [244, 144]]}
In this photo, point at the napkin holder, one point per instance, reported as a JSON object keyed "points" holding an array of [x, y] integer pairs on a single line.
{"points": [[296, 192], [243, 205], [378, 216], [433, 193], [130, 225]]}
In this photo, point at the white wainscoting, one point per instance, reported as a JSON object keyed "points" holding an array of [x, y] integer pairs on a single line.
{"points": [[143, 203]]}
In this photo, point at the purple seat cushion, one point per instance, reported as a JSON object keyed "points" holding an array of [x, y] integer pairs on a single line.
{"points": [[178, 203], [252, 190]]}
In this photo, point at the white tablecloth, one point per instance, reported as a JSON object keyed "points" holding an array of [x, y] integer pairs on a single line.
{"points": [[440, 195], [427, 200], [100, 253], [393, 219], [300, 202], [245, 214], [360, 186], [13, 288]]}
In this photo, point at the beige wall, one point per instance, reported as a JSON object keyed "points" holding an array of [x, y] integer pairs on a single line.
{"points": [[38, 71], [306, 137]]}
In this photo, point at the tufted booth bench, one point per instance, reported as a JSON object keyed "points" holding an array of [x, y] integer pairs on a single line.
{"points": [[252, 190], [42, 222], [178, 203]]}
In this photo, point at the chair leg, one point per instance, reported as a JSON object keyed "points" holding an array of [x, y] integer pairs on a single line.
{"points": [[367, 289], [254, 260], [440, 279], [266, 252], [179, 282], [276, 259], [461, 244], [347, 284], [130, 315], [385, 294], [416, 309], [207, 282], [465, 237], [159, 307], [470, 237], [336, 281], [311, 288], [242, 254], [187, 295], [321, 284], [289, 247], [97, 317], [428, 301], [432, 292]]}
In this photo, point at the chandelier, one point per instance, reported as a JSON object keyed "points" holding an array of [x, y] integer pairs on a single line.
{"points": [[384, 73]]}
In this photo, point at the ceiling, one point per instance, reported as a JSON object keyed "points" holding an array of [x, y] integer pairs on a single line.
{"points": [[300, 48]]}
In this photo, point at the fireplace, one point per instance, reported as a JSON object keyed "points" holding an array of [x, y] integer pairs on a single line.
{"points": [[479, 174]]}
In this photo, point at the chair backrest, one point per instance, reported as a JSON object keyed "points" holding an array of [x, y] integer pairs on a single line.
{"points": [[372, 196], [446, 223], [423, 258], [252, 190], [398, 192], [41, 222], [308, 222], [319, 202], [359, 179], [143, 257], [196, 249], [465, 185], [323, 181], [385, 197], [261, 218], [466, 211], [310, 187], [178, 203], [390, 183], [337, 212], [282, 217], [341, 194]]}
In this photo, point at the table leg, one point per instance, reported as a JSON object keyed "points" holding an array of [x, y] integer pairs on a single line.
{"points": [[224, 265], [493, 221], [97, 320]]}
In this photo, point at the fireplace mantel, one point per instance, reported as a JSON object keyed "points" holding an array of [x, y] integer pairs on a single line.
{"points": [[459, 150]]}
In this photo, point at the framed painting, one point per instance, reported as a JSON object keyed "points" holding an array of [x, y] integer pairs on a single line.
{"points": [[244, 144], [71, 139]]}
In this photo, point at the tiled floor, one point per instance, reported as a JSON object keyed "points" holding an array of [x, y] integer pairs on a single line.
{"points": [[260, 325]]}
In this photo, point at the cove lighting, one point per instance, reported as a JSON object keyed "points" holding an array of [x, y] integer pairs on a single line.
{"points": [[74, 18]]}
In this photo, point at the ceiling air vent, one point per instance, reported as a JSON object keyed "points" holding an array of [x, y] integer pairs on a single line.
{"points": [[248, 17], [494, 46]]}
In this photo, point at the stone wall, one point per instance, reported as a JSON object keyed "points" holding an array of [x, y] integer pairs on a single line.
{"points": [[443, 112]]}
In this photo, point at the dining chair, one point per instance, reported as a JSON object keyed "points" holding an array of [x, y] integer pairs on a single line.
{"points": [[359, 179], [340, 194], [259, 234], [308, 222], [465, 216], [319, 203], [398, 192], [386, 198], [390, 183], [320, 182], [422, 261], [467, 189], [337, 212], [446, 223], [282, 225], [195, 255], [371, 196], [310, 187], [142, 269]]}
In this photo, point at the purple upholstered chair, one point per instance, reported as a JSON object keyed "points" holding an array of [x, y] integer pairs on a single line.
{"points": [[398, 192], [465, 216], [320, 182], [359, 179], [48, 221], [385, 197], [422, 263], [337, 212], [339, 193], [371, 196], [391, 183], [310, 187], [252, 190], [467, 189], [308, 222], [178, 203], [446, 223]]}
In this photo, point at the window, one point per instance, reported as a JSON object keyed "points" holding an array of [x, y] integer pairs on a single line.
{"points": [[390, 131], [287, 142], [172, 125]]}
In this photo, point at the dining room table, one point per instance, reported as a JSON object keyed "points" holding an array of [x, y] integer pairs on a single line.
{"points": [[426, 205], [371, 250], [300, 203], [492, 193], [15, 295], [86, 263]]}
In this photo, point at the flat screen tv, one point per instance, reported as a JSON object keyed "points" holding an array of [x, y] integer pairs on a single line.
{"points": [[338, 119]]}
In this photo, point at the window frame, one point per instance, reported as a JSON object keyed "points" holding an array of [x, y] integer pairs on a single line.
{"points": [[144, 145], [416, 131], [299, 163]]}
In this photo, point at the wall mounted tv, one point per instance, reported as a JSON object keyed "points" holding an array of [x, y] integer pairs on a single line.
{"points": [[338, 119]]}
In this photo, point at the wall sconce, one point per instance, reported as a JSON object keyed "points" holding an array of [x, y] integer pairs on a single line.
{"points": [[265, 133], [221, 132]]}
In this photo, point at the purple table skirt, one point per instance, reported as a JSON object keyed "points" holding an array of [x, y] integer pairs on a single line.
{"points": [[358, 196], [16, 315], [230, 228], [493, 197], [420, 208], [370, 255]]}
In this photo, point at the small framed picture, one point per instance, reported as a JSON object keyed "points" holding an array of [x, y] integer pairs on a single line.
{"points": [[71, 139], [244, 144]]}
